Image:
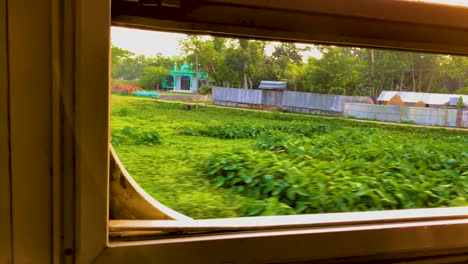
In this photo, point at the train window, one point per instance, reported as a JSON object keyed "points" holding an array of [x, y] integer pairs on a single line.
{"points": [[276, 128], [234, 173]]}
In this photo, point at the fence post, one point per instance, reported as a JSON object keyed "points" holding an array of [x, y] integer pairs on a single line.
{"points": [[459, 117], [445, 116], [401, 112], [344, 110]]}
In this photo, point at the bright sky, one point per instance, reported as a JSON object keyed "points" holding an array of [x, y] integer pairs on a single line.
{"points": [[150, 43], [447, 2]]}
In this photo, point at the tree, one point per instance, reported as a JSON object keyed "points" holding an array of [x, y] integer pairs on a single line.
{"points": [[382, 69], [284, 56], [132, 68], [152, 77], [457, 71], [460, 102], [242, 63], [425, 69], [252, 54], [463, 90], [337, 72], [230, 68], [119, 57], [294, 74], [163, 61], [210, 53], [127, 66]]}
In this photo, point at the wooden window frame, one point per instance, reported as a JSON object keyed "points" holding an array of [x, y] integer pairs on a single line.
{"points": [[65, 187], [426, 234]]}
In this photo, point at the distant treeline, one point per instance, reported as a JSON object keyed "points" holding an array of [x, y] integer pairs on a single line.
{"points": [[340, 70]]}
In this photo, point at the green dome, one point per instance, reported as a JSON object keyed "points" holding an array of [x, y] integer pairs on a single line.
{"points": [[185, 68]]}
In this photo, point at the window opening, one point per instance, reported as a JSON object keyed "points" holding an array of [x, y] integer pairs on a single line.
{"points": [[269, 128]]}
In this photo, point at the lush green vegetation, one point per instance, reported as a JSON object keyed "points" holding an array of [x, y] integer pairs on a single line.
{"points": [[216, 162], [339, 70]]}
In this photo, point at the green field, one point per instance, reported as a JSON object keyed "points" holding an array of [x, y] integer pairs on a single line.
{"points": [[217, 162]]}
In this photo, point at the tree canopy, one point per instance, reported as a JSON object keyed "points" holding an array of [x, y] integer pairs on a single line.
{"points": [[244, 63], [152, 77]]}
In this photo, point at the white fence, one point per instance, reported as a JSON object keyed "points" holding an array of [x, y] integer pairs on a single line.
{"points": [[289, 100], [326, 102], [389, 113], [464, 120], [394, 113], [314, 101], [337, 104], [235, 95]]}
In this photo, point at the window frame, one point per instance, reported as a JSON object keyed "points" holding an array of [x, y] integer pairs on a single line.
{"points": [[424, 237], [5, 194]]}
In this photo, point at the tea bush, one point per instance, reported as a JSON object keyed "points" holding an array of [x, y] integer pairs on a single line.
{"points": [[130, 136], [354, 170], [253, 129], [283, 163]]}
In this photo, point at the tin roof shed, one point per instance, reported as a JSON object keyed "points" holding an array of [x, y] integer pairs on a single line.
{"points": [[414, 97], [454, 101], [273, 85]]}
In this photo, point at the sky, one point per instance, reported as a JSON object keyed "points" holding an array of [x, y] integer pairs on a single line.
{"points": [[150, 43]]}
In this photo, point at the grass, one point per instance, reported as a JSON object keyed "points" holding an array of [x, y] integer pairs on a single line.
{"points": [[162, 146]]}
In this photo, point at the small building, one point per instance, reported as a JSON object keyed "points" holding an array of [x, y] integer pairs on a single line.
{"points": [[273, 85], [183, 79], [453, 102], [272, 92], [435, 100]]}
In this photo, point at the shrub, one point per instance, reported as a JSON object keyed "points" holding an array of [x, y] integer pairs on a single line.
{"points": [[460, 102], [128, 136], [353, 170], [254, 130], [206, 90], [124, 111]]}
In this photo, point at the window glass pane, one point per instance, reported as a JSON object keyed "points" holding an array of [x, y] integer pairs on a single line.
{"points": [[447, 2], [220, 127]]}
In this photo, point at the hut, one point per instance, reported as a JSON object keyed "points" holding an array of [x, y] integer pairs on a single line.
{"points": [[272, 92], [454, 102], [421, 104], [434, 100], [396, 100]]}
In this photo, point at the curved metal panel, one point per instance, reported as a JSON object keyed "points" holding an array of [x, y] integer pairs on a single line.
{"points": [[128, 200]]}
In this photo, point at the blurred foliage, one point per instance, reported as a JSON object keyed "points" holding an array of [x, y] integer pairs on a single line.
{"points": [[217, 162]]}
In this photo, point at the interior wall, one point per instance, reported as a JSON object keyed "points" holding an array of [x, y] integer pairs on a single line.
{"points": [[29, 68]]}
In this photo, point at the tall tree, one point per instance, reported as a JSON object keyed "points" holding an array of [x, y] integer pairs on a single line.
{"points": [[119, 58], [382, 70], [152, 77], [243, 63], [210, 51], [163, 61], [284, 56], [456, 69], [337, 72]]}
